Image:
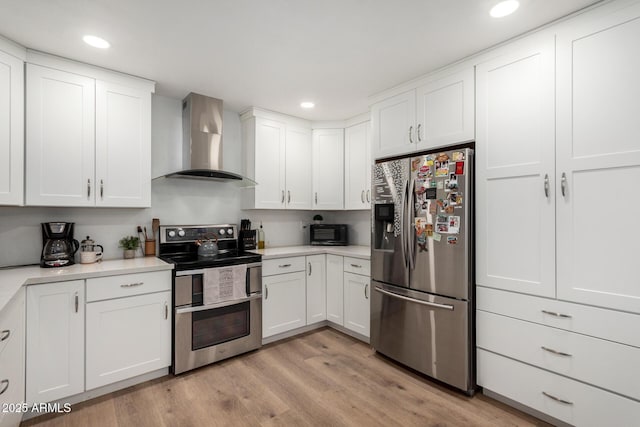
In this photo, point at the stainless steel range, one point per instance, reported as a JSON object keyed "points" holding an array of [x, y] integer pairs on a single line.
{"points": [[217, 294]]}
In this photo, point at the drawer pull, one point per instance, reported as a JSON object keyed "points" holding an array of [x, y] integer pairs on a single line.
{"points": [[5, 335], [131, 285], [553, 313], [356, 266], [5, 384], [559, 353], [284, 265], [557, 399]]}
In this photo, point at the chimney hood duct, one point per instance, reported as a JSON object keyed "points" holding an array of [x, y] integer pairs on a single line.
{"points": [[202, 142]]}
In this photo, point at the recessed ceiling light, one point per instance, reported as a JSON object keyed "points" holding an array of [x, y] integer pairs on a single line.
{"points": [[307, 104], [504, 8], [96, 42]]}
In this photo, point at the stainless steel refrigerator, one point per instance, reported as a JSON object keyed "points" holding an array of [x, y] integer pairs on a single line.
{"points": [[422, 264]]}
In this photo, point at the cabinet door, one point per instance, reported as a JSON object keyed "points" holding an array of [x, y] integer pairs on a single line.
{"points": [[598, 153], [270, 163], [284, 303], [356, 303], [60, 138], [445, 111], [123, 146], [55, 341], [316, 289], [11, 130], [328, 169], [357, 167], [393, 125], [127, 337], [298, 168], [515, 218], [12, 359], [335, 289]]}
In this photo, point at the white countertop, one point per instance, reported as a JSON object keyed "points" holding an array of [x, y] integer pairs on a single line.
{"points": [[11, 279], [363, 252]]}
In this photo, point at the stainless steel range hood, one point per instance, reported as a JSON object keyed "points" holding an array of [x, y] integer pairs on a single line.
{"points": [[202, 142]]}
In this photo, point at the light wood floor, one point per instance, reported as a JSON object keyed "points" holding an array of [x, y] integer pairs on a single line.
{"points": [[322, 378]]}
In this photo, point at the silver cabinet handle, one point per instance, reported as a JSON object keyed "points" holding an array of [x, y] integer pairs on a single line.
{"points": [[88, 188], [131, 285], [557, 399], [356, 266], [77, 302], [288, 196], [284, 265], [366, 288], [563, 184], [559, 353], [309, 269], [418, 132], [411, 134], [553, 313], [166, 310], [266, 292], [282, 196], [362, 196], [5, 335], [546, 185], [369, 196], [5, 386], [417, 301], [101, 189], [316, 197]]}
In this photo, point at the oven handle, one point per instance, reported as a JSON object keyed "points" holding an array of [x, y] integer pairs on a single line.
{"points": [[201, 271], [218, 305]]}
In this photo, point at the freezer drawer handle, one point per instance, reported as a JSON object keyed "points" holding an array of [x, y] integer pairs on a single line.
{"points": [[427, 303], [559, 353], [553, 313], [557, 399]]}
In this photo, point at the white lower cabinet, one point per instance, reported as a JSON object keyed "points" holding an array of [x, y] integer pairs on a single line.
{"points": [[284, 301], [316, 288], [127, 337], [12, 360], [55, 341], [356, 303], [335, 289]]}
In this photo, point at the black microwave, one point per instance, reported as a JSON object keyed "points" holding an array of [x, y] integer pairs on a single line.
{"points": [[329, 235]]}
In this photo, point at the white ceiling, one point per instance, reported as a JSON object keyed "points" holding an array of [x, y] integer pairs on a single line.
{"points": [[273, 53]]}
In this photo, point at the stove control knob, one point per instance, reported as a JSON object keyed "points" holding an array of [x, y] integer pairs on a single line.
{"points": [[172, 233], [230, 231], [181, 233], [222, 231]]}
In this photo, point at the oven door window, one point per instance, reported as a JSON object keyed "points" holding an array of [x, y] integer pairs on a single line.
{"points": [[219, 325]]}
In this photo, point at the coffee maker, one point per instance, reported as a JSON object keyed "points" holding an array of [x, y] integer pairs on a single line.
{"points": [[58, 244]]}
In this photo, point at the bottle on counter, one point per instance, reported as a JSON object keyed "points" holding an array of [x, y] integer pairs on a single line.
{"points": [[260, 237]]}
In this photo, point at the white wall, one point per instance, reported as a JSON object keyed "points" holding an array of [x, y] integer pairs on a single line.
{"points": [[174, 201]]}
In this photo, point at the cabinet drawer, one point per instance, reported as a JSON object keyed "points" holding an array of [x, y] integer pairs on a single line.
{"points": [[357, 266], [283, 265], [125, 285], [536, 388], [605, 364], [596, 322]]}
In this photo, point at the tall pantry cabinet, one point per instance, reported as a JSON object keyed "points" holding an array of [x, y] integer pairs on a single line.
{"points": [[558, 158]]}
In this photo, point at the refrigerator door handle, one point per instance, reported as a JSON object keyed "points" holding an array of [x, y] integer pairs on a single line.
{"points": [[417, 301], [405, 226], [410, 226]]}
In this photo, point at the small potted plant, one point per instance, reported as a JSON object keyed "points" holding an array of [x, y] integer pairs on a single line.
{"points": [[129, 244]]}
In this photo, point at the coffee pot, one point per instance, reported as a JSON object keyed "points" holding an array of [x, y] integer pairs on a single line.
{"points": [[90, 252], [58, 244]]}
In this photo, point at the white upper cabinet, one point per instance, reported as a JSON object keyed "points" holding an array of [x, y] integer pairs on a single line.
{"points": [[123, 145], [11, 129], [439, 112], [598, 154], [328, 169], [88, 136], [60, 138], [515, 170], [357, 167], [278, 158]]}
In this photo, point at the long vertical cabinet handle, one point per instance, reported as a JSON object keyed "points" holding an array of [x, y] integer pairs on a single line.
{"points": [[77, 302], [288, 196], [166, 310], [266, 292], [418, 132], [362, 196], [411, 134], [88, 188], [316, 197], [563, 184], [366, 288], [309, 269], [546, 185], [101, 189], [282, 196], [369, 196]]}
